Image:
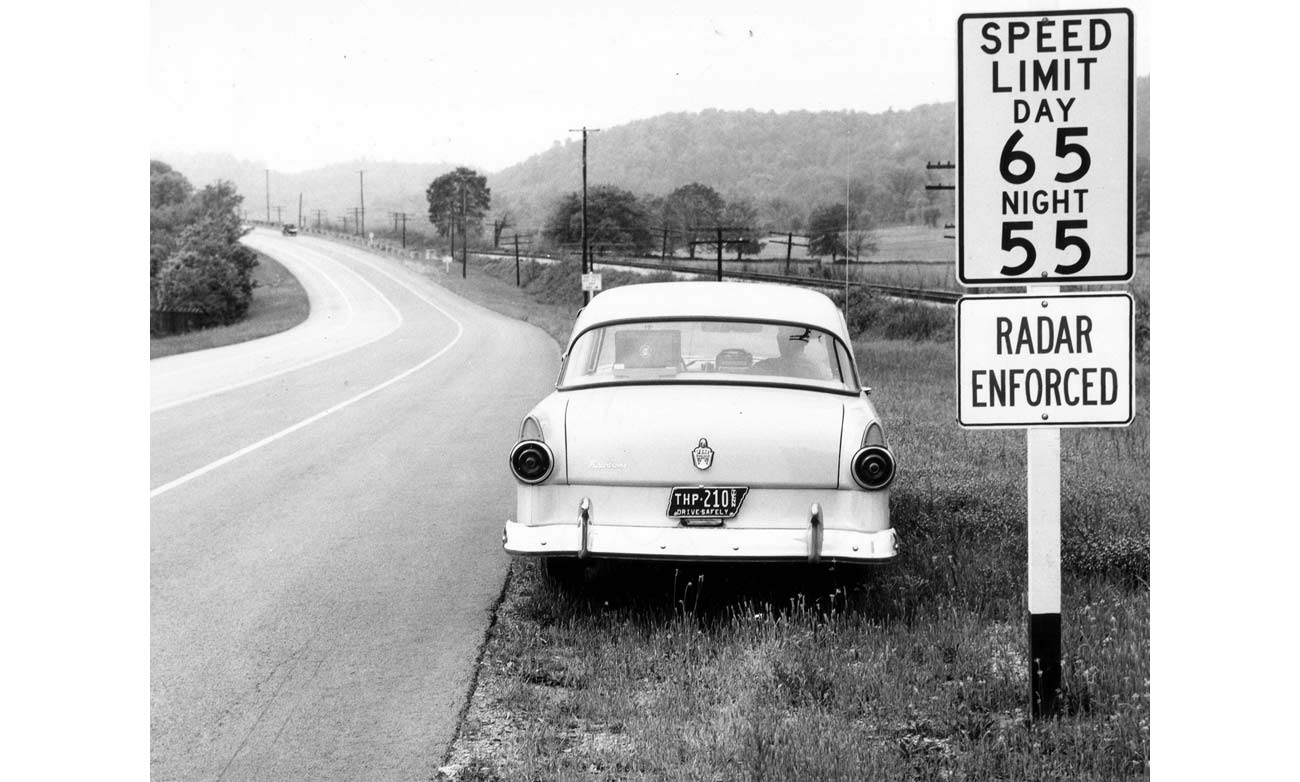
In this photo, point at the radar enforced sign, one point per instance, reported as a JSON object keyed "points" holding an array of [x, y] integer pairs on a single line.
{"points": [[1045, 147], [1058, 360]]}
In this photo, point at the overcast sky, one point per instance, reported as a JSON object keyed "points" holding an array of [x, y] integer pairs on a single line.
{"points": [[300, 84]]}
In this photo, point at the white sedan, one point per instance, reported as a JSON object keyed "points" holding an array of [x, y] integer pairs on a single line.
{"points": [[705, 421]]}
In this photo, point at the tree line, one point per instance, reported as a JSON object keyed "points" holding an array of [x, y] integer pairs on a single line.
{"points": [[691, 219], [196, 263]]}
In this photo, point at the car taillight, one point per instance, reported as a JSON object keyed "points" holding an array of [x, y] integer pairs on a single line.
{"points": [[873, 467], [531, 461]]}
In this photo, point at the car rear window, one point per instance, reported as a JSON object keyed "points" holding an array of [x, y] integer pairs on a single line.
{"points": [[709, 351]]}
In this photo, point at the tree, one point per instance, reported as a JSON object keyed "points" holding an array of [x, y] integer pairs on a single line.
{"points": [[862, 241], [195, 258], [780, 214], [167, 186], [615, 218], [826, 231], [208, 272], [741, 215], [690, 209], [901, 182], [444, 195], [1143, 207], [500, 222]]}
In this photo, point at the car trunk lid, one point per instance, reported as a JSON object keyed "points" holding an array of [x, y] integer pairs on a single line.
{"points": [[649, 435]]}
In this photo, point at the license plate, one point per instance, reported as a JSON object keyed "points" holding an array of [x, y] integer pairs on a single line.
{"points": [[705, 503]]}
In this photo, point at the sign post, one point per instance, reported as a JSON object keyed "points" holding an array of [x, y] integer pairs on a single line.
{"points": [[1045, 198], [1043, 455]]}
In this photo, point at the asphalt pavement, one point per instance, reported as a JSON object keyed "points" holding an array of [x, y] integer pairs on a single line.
{"points": [[326, 514]]}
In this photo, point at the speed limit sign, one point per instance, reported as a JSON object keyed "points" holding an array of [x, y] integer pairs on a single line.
{"points": [[1045, 147]]}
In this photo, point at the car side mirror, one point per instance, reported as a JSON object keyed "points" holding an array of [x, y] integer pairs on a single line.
{"points": [[866, 390]]}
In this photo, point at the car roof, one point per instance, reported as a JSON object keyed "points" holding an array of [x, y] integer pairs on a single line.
{"points": [[724, 300]]}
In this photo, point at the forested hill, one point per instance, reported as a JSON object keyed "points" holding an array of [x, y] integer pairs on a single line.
{"points": [[390, 186], [797, 158], [782, 164]]}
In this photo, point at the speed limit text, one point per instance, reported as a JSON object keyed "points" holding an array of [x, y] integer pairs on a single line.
{"points": [[1038, 74]]}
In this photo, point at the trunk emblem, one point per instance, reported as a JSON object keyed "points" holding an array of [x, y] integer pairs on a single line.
{"points": [[703, 455]]}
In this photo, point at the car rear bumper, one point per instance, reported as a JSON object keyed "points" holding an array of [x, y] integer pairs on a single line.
{"points": [[610, 522]]}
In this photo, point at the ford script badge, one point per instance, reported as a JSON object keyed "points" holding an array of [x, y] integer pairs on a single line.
{"points": [[703, 455]]}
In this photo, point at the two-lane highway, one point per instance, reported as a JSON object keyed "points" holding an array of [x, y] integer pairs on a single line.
{"points": [[327, 506]]}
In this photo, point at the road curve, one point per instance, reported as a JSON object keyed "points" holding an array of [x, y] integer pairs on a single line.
{"points": [[325, 527], [347, 312]]}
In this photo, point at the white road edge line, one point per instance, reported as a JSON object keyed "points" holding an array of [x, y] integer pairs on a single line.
{"points": [[460, 329], [309, 362]]}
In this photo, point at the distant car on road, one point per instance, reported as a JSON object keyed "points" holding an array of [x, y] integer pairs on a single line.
{"points": [[289, 229], [704, 421]]}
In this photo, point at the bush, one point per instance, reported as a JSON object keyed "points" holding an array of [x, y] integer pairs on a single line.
{"points": [[196, 263], [561, 282], [878, 316]]}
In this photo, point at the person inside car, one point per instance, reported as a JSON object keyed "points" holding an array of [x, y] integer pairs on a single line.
{"points": [[791, 342]]}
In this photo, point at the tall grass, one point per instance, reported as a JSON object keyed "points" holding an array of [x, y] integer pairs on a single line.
{"points": [[914, 670]]}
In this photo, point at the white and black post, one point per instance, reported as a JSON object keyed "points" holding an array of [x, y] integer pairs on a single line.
{"points": [[1044, 505]]}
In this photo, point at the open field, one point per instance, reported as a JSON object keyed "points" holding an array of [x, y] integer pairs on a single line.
{"points": [[913, 670], [279, 303]]}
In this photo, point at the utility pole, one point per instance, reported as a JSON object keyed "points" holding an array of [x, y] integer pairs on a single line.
{"points": [[363, 202], [401, 216], [268, 195], [586, 295], [300, 224], [278, 209], [663, 254], [464, 235], [945, 166], [720, 242], [319, 214], [719, 254], [846, 227], [789, 246]]}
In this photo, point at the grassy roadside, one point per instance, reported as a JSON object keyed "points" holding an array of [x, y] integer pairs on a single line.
{"points": [[499, 294], [279, 303], [915, 670], [911, 671]]}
